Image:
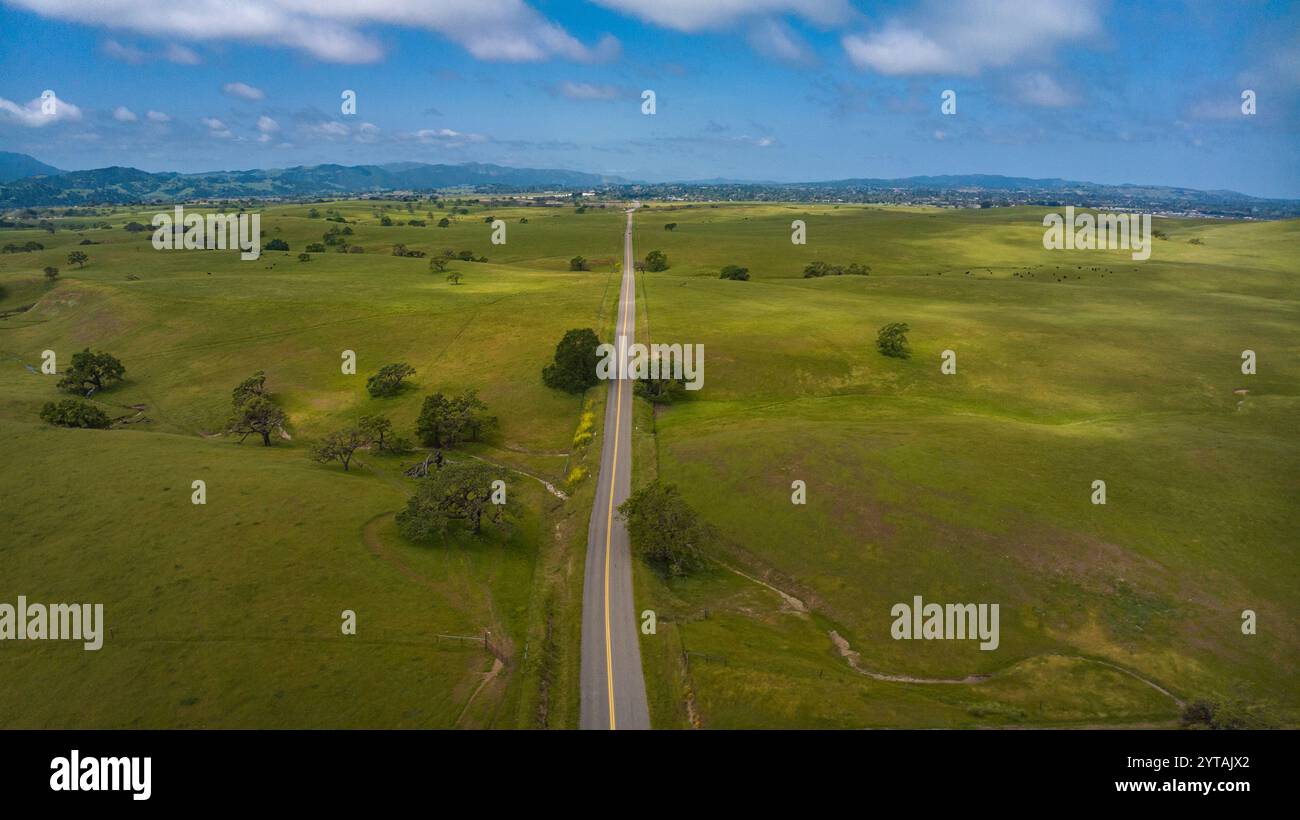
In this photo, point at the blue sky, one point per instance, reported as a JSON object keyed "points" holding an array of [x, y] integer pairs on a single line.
{"points": [[751, 89]]}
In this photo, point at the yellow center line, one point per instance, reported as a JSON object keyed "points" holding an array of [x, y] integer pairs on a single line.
{"points": [[609, 519]]}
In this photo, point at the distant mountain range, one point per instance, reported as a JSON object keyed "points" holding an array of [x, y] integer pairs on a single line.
{"points": [[979, 191], [20, 166], [45, 186], [26, 182]]}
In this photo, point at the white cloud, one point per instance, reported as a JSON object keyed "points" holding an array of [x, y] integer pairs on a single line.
{"points": [[125, 53], [267, 125], [775, 39], [896, 50], [331, 30], [157, 116], [1037, 88], [698, 15], [327, 129], [589, 91], [174, 53], [216, 127], [124, 114], [446, 137], [39, 112], [243, 91], [367, 132], [180, 55], [967, 38]]}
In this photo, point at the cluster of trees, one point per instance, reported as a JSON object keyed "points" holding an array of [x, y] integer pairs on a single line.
{"points": [[659, 391], [401, 250], [670, 226], [1225, 714], [439, 263], [74, 413], [334, 237], [370, 431], [387, 221], [91, 372], [665, 531], [254, 411], [819, 268], [656, 261], [735, 272], [892, 340], [88, 374], [446, 421], [454, 492], [51, 273], [388, 381], [26, 247], [78, 258], [277, 245], [578, 263], [574, 367]]}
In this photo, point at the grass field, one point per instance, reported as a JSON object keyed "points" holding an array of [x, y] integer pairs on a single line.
{"points": [[229, 614], [974, 487]]}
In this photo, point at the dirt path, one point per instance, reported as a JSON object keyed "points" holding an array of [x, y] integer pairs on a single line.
{"points": [[370, 535], [791, 602], [854, 658], [550, 488], [488, 677]]}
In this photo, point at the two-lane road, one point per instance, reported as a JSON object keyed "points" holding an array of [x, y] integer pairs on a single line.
{"points": [[613, 688]]}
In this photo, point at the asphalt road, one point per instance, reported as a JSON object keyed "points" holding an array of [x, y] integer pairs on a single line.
{"points": [[613, 688]]}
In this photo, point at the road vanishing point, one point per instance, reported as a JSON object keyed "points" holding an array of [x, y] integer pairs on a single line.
{"points": [[613, 688]]}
